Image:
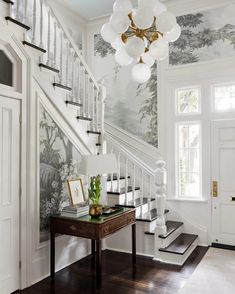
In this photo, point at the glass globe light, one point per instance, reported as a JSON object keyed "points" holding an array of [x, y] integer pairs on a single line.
{"points": [[143, 18], [174, 34], [147, 3], [159, 49], [135, 47], [159, 8], [148, 59], [107, 33], [122, 5], [119, 22], [117, 43], [165, 22], [141, 73], [122, 57]]}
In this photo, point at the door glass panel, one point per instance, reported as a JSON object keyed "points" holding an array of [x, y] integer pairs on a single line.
{"points": [[6, 72]]}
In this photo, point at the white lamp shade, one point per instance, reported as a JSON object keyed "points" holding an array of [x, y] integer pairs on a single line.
{"points": [[93, 165]]}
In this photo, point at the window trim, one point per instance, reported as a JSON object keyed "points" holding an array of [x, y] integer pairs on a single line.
{"points": [[196, 197], [199, 112]]}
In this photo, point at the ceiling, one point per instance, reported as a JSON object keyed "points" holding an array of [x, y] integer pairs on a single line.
{"points": [[89, 9]]}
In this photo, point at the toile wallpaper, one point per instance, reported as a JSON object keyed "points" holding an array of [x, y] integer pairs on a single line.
{"points": [[59, 161]]}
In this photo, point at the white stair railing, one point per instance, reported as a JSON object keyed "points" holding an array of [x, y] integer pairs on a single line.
{"points": [[152, 183], [62, 54]]}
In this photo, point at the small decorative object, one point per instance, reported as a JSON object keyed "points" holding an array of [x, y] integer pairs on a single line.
{"points": [[94, 196], [76, 191], [140, 35], [95, 166]]}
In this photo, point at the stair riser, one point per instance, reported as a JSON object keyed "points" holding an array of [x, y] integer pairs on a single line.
{"points": [[167, 241], [145, 208], [177, 259], [115, 184], [120, 199]]}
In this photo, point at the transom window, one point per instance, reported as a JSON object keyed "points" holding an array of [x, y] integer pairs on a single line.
{"points": [[188, 159], [224, 97], [188, 100]]}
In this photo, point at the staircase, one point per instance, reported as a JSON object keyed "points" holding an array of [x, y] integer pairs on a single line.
{"points": [[74, 94]]}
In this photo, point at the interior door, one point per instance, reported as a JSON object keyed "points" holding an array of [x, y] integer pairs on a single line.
{"points": [[223, 182], [9, 194]]}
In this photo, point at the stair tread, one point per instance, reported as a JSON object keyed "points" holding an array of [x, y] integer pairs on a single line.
{"points": [[73, 103], [150, 216], [18, 22], [134, 204], [94, 132], [9, 2], [84, 118], [49, 67], [62, 86], [123, 190], [115, 178], [34, 46], [171, 227], [181, 244]]}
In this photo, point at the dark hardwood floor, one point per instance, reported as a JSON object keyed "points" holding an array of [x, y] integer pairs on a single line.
{"points": [[118, 277]]}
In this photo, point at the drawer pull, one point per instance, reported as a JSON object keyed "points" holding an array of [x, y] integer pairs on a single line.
{"points": [[73, 228]]}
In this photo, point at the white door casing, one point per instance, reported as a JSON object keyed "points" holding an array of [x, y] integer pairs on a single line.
{"points": [[9, 194], [223, 172]]}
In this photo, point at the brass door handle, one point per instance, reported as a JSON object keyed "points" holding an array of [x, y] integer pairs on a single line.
{"points": [[214, 188]]}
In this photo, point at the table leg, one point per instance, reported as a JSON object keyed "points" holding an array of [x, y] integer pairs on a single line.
{"points": [[134, 245], [52, 255], [98, 265], [92, 247]]}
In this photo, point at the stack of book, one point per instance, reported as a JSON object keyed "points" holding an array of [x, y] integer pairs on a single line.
{"points": [[75, 211]]}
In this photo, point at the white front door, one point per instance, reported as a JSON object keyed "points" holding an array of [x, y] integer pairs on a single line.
{"points": [[9, 194], [223, 178]]}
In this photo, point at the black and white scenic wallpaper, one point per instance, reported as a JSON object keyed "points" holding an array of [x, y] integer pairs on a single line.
{"points": [[206, 36], [59, 161], [128, 105]]}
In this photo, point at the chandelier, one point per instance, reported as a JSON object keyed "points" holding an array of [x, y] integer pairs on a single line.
{"points": [[140, 35]]}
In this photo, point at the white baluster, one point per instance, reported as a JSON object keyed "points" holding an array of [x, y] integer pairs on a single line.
{"points": [[41, 24], [55, 43], [97, 111], [150, 192], [79, 100], [67, 63], [119, 171], [17, 16], [84, 93], [93, 106], [34, 21], [49, 37], [25, 11], [72, 94], [142, 190], [61, 58], [126, 180], [112, 188], [88, 95], [133, 182]]}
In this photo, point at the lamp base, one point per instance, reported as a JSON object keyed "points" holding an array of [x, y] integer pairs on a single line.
{"points": [[95, 210]]}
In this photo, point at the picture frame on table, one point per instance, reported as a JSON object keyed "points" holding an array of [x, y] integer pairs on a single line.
{"points": [[76, 191]]}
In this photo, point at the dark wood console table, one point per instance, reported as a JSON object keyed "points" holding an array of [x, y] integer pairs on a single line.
{"points": [[94, 229]]}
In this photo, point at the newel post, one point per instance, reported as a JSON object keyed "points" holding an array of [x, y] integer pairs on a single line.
{"points": [[160, 181]]}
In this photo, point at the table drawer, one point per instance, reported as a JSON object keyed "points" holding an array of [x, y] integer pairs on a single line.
{"points": [[74, 228], [114, 225]]}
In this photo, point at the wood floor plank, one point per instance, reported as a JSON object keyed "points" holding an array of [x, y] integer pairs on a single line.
{"points": [[118, 277]]}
